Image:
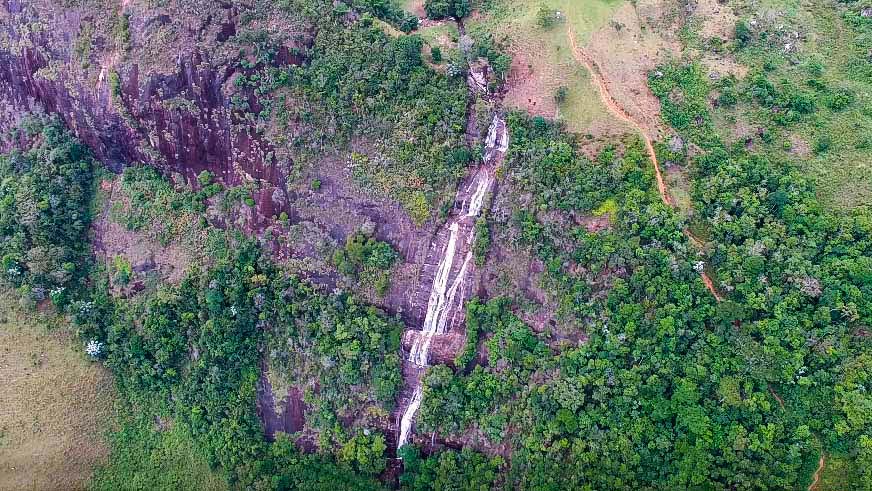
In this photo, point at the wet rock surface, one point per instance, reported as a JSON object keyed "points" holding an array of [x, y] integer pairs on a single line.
{"points": [[447, 279], [286, 415]]}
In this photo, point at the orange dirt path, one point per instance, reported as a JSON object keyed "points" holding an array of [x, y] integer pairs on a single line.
{"points": [[619, 111], [711, 286], [817, 474], [596, 74], [622, 114], [777, 397]]}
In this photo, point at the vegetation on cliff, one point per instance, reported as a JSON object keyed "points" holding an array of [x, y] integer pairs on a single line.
{"points": [[45, 198]]}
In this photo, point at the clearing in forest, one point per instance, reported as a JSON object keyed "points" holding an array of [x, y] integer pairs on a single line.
{"points": [[547, 80], [55, 404], [542, 61]]}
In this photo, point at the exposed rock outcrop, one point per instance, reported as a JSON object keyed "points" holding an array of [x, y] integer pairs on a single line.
{"points": [[142, 84]]}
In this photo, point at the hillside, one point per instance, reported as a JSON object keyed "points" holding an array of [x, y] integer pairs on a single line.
{"points": [[436, 244]]}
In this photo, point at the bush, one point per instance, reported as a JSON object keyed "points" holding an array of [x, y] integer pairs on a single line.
{"points": [[365, 258], [123, 31], [546, 17], [840, 99], [744, 34], [204, 178], [123, 270], [440, 9], [437, 9], [822, 144], [482, 243], [561, 94]]}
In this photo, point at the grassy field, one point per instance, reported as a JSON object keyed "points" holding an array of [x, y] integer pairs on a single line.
{"points": [[542, 57], [809, 45], [54, 406]]}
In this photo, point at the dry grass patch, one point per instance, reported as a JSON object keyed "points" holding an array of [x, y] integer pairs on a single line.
{"points": [[717, 19], [626, 50], [53, 407], [416, 7], [617, 35]]}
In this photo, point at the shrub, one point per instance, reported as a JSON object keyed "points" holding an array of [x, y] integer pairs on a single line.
{"points": [[204, 178], [561, 94], [547, 18], [822, 144], [114, 84], [815, 68], [437, 9], [123, 270], [440, 9], [482, 243], [840, 99], [744, 34], [123, 31], [364, 257]]}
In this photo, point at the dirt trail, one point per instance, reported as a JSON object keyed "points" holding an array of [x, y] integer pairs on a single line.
{"points": [[619, 111], [596, 74], [817, 474], [711, 286], [777, 397]]}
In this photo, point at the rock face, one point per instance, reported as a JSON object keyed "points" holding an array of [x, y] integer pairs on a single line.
{"points": [[141, 99], [167, 84]]}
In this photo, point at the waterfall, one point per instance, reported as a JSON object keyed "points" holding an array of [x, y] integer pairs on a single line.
{"points": [[477, 199], [406, 422], [447, 292]]}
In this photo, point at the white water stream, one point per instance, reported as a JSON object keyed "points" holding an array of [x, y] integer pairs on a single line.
{"points": [[447, 291]]}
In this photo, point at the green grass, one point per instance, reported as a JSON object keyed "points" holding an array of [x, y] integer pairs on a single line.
{"points": [[437, 34], [843, 173], [548, 50], [585, 16], [144, 458]]}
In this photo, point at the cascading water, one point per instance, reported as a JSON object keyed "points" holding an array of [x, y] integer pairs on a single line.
{"points": [[406, 422], [447, 293], [443, 295]]}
